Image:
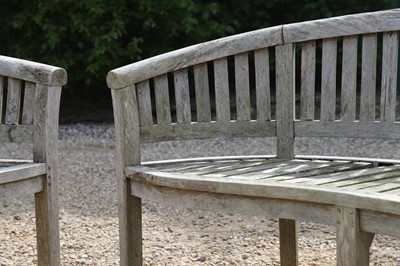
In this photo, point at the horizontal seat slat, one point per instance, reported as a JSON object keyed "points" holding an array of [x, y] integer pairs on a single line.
{"points": [[208, 130]]}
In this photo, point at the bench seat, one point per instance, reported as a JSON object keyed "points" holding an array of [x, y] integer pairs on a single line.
{"points": [[277, 187]]}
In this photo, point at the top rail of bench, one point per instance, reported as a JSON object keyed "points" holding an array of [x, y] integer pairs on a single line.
{"points": [[291, 33], [32, 71]]}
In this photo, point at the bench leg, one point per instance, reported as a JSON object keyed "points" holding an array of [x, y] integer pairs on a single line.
{"points": [[352, 243], [288, 242], [130, 231], [47, 227]]}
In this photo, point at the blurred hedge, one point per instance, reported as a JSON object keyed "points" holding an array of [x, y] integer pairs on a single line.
{"points": [[90, 37]]}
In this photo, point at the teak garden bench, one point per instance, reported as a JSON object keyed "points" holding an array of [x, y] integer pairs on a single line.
{"points": [[326, 61], [29, 106]]}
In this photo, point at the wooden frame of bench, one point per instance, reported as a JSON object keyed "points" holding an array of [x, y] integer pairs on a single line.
{"points": [[357, 215], [29, 114]]}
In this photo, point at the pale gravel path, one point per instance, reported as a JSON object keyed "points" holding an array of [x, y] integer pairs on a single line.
{"points": [[88, 218]]}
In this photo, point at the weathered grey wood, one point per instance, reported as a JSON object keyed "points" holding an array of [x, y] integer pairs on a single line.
{"points": [[163, 106], [16, 133], [32, 71], [27, 109], [182, 97], [12, 190], [221, 81], [288, 242], [21, 171], [234, 129], [308, 54], [242, 82], [342, 26], [45, 149], [349, 79], [368, 77], [352, 243], [193, 55], [328, 82], [13, 102], [144, 103], [389, 76], [380, 223], [232, 203], [128, 154], [285, 96], [263, 94], [1, 97], [203, 107], [374, 130]]}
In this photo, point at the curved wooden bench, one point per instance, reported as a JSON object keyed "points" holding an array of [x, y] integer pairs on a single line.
{"points": [[29, 114], [359, 196]]}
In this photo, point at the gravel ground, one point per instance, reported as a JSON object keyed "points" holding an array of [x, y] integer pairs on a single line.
{"points": [[88, 215]]}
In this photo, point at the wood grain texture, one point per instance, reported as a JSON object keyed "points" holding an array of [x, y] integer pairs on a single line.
{"points": [[193, 55], [288, 242], [32, 71], [13, 102], [182, 97], [328, 82], [221, 80], [363, 23], [374, 130], [352, 244], [202, 89], [13, 190], [27, 109], [163, 106], [242, 82], [285, 98], [263, 94], [144, 103], [389, 76], [45, 149], [21, 171], [308, 54], [128, 154], [204, 130], [368, 77], [16, 133], [349, 79]]}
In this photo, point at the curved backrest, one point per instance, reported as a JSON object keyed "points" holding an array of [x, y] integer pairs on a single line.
{"points": [[245, 85], [29, 103]]}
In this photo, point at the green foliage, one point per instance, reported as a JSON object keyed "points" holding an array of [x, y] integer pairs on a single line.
{"points": [[90, 37]]}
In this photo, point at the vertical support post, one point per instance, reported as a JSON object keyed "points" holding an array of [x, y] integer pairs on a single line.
{"points": [[45, 149], [285, 108], [128, 154], [352, 243]]}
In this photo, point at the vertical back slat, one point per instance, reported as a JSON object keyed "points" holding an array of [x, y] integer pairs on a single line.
{"points": [[308, 53], [349, 79], [285, 99], [27, 109], [328, 80], [161, 92], [242, 81], [182, 96], [13, 101], [221, 80], [389, 76], [1, 98], [144, 103], [368, 77], [261, 62], [203, 108]]}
